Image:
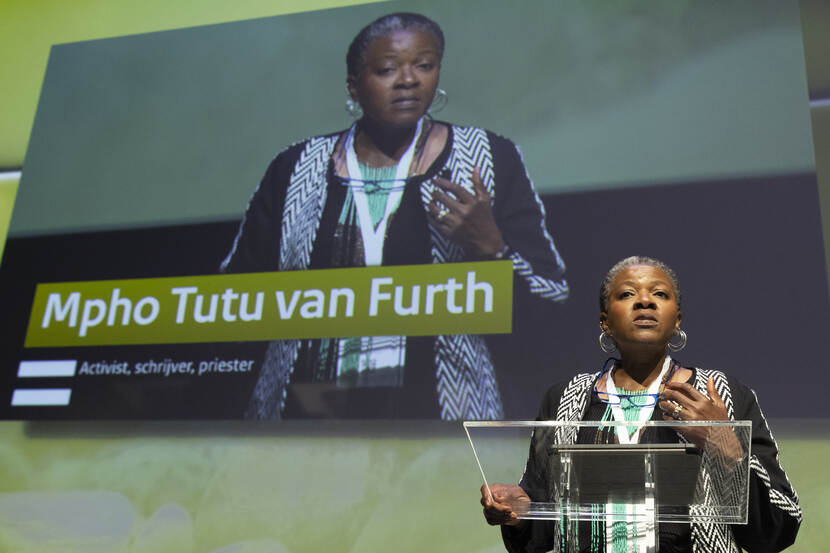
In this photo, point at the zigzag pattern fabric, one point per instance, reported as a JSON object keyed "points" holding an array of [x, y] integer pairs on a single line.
{"points": [[268, 397], [789, 505], [707, 536], [572, 407], [304, 201], [544, 287], [573, 404], [470, 149], [702, 376], [776, 498], [466, 379], [713, 537]]}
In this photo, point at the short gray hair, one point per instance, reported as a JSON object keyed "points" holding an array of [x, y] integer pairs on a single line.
{"points": [[384, 26], [605, 287]]}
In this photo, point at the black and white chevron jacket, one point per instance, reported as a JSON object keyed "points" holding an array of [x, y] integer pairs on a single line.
{"points": [[774, 513]]}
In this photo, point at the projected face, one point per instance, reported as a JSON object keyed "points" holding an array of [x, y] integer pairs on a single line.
{"points": [[396, 85], [642, 308]]}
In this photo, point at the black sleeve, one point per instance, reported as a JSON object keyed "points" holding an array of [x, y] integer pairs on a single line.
{"points": [[520, 216], [257, 244], [536, 535], [774, 513]]}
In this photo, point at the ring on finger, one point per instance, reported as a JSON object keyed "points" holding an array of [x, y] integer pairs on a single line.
{"points": [[675, 414]]}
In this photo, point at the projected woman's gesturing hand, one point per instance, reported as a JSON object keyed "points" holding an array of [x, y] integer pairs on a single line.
{"points": [[466, 217]]}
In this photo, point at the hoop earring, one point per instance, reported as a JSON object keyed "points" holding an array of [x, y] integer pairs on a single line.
{"points": [[439, 101], [680, 345], [604, 346]]}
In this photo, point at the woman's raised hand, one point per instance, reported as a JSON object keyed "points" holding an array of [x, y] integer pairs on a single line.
{"points": [[693, 406], [681, 401], [501, 501], [466, 217]]}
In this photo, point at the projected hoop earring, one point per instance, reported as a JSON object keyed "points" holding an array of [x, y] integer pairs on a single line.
{"points": [[352, 107], [439, 101], [605, 345], [681, 344]]}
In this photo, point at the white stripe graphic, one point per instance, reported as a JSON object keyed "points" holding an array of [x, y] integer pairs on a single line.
{"points": [[9, 175], [43, 396], [41, 369]]}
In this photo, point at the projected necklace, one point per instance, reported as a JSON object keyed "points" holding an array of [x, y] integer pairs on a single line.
{"points": [[373, 235]]}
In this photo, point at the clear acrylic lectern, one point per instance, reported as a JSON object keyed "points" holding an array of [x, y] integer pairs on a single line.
{"points": [[665, 480]]}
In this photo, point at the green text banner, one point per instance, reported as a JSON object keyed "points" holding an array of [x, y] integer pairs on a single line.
{"points": [[416, 300]]}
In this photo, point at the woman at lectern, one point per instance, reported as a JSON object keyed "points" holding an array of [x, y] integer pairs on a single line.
{"points": [[395, 188], [640, 317]]}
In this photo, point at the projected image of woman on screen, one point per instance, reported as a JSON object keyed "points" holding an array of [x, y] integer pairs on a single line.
{"points": [[396, 188]]}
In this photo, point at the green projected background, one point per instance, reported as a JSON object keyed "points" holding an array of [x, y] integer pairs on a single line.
{"points": [[629, 94]]}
